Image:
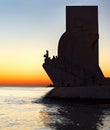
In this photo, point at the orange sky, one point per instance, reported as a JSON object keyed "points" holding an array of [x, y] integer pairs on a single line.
{"points": [[33, 80], [28, 28]]}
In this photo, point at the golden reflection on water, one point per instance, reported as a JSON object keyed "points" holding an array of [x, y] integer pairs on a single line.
{"points": [[44, 118], [19, 112], [25, 117]]}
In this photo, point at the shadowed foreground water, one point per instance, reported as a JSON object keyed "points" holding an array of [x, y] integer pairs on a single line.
{"points": [[25, 109]]}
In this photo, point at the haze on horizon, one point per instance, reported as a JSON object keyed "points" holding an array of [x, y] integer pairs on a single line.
{"points": [[28, 28]]}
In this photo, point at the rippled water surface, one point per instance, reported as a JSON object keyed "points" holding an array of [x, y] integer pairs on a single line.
{"points": [[25, 109]]}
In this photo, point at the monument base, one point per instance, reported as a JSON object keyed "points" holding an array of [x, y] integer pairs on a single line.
{"points": [[89, 92]]}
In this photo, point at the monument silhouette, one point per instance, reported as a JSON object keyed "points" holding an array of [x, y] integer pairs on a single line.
{"points": [[77, 63]]}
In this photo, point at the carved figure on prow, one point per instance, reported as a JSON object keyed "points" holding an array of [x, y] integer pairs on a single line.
{"points": [[47, 54], [47, 58]]}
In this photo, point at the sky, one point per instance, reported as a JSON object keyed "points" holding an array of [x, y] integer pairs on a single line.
{"points": [[30, 27]]}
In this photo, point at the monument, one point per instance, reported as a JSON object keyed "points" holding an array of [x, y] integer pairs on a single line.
{"points": [[76, 67]]}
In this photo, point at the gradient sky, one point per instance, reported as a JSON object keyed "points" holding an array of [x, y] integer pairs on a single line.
{"points": [[29, 27]]}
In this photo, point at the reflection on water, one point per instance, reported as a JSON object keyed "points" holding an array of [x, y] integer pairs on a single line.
{"points": [[72, 117], [60, 115], [25, 109], [105, 119]]}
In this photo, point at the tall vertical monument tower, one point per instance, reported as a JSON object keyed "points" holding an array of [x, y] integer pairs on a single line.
{"points": [[77, 60]]}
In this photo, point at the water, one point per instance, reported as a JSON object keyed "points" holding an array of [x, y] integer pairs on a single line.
{"points": [[25, 109]]}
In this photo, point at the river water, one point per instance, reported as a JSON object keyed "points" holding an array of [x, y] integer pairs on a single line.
{"points": [[24, 108]]}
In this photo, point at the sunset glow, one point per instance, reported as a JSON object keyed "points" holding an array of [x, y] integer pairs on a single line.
{"points": [[28, 28]]}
